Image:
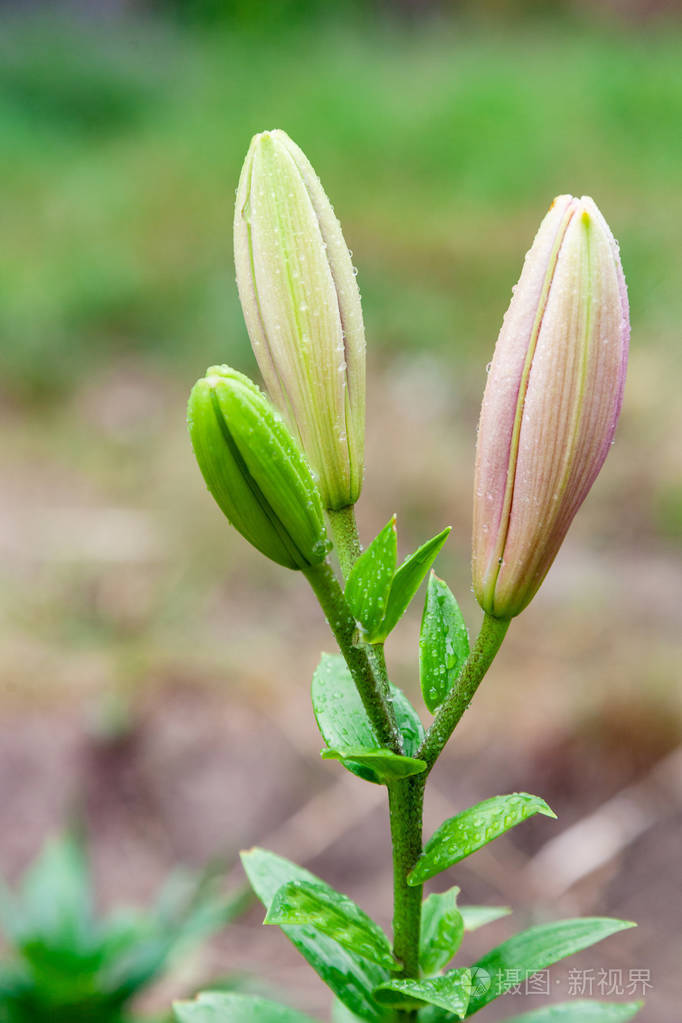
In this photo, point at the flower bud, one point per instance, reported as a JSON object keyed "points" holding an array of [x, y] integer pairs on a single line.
{"points": [[302, 310], [551, 402], [255, 470]]}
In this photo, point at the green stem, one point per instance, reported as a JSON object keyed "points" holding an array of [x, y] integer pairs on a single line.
{"points": [[344, 530], [493, 631], [376, 654], [406, 805], [357, 656]]}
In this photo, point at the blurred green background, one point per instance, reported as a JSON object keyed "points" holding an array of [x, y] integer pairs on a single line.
{"points": [[145, 648]]}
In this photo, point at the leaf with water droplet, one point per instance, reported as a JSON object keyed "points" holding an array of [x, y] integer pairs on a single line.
{"points": [[409, 722], [351, 977], [383, 763], [582, 1011], [406, 582], [369, 581], [450, 992], [462, 835], [442, 928], [536, 949], [443, 643], [334, 914], [346, 729], [340, 714]]}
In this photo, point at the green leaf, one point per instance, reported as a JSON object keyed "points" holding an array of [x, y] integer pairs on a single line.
{"points": [[450, 992], [346, 729], [227, 1007], [340, 714], [384, 764], [534, 950], [406, 582], [581, 1012], [478, 916], [351, 977], [334, 914], [442, 928], [56, 896], [443, 643], [462, 835], [369, 581], [341, 1014], [409, 722]]}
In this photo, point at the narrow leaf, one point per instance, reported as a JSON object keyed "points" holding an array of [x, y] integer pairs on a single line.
{"points": [[351, 977], [443, 643], [228, 1007], [342, 1014], [369, 581], [442, 928], [345, 727], [462, 835], [406, 582], [55, 898], [340, 714], [533, 950], [581, 1012], [450, 992], [383, 763], [478, 916], [334, 914], [409, 722]]}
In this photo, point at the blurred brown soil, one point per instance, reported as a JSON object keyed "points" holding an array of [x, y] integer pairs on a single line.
{"points": [[198, 775], [156, 672]]}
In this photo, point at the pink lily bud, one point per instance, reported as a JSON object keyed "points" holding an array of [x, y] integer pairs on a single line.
{"points": [[551, 403]]}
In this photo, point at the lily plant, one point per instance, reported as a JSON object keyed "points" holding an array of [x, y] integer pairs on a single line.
{"points": [[286, 469]]}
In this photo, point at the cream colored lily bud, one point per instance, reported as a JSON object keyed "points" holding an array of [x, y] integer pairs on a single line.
{"points": [[302, 310], [551, 403]]}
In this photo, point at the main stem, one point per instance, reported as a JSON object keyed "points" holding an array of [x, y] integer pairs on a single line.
{"points": [[405, 796], [356, 654], [406, 806], [406, 801]]}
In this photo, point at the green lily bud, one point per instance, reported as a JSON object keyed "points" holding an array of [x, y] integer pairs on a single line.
{"points": [[255, 470], [302, 310]]}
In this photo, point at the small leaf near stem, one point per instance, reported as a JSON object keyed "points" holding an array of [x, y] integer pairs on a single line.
{"points": [[443, 643], [369, 581], [334, 914]]}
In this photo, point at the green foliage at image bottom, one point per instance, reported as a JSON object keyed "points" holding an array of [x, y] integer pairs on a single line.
{"points": [[67, 965], [226, 1007], [581, 1012], [353, 957], [350, 975]]}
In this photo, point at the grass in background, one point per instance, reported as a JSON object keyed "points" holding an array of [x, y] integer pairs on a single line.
{"points": [[441, 149]]}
